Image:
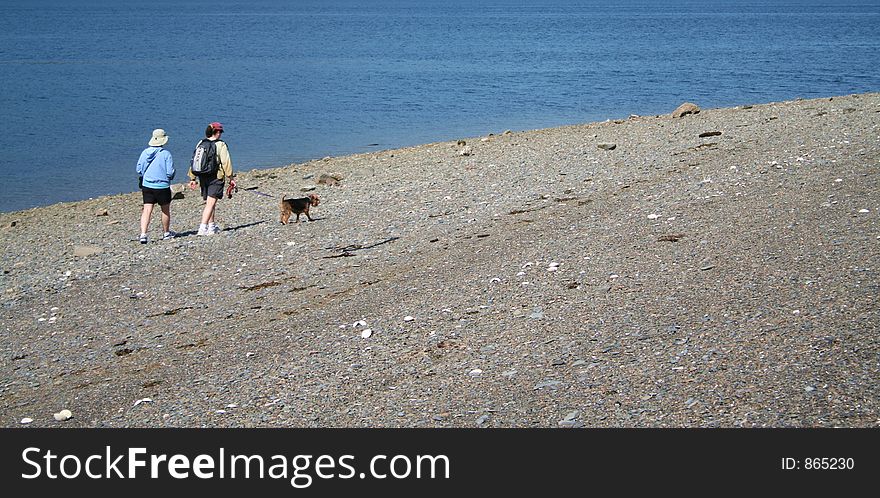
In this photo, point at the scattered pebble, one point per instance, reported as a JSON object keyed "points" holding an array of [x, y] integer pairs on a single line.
{"points": [[144, 400], [653, 216], [366, 333], [359, 323], [63, 415], [864, 211], [26, 420], [475, 372], [408, 318]]}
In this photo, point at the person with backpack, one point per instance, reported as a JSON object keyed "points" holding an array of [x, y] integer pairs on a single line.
{"points": [[155, 169], [210, 166]]}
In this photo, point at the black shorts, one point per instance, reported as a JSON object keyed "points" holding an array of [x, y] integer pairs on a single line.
{"points": [[160, 196], [211, 186]]}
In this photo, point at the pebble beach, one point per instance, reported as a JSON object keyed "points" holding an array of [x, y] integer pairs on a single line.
{"points": [[712, 269]]}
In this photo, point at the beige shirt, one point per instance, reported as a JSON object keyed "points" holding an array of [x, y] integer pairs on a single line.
{"points": [[225, 169]]}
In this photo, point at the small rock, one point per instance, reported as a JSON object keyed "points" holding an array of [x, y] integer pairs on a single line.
{"points": [[507, 132], [366, 333], [102, 212], [408, 318], [63, 415], [483, 419], [26, 420], [809, 389], [607, 146], [572, 416], [710, 134], [144, 400], [653, 216], [85, 251], [475, 372], [864, 211], [10, 224], [309, 175], [537, 314], [670, 238], [685, 109], [308, 188], [359, 323], [553, 384], [465, 151]]}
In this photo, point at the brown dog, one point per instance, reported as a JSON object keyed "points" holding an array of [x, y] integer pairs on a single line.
{"points": [[298, 207]]}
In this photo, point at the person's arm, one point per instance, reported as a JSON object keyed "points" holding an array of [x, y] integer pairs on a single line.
{"points": [[140, 165], [169, 166], [225, 159]]}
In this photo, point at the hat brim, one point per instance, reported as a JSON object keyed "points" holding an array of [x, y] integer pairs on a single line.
{"points": [[158, 142]]}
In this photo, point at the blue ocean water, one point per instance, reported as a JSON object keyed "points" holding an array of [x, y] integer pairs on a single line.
{"points": [[84, 82]]}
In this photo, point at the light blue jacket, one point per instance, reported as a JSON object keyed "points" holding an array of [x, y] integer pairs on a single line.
{"points": [[157, 167]]}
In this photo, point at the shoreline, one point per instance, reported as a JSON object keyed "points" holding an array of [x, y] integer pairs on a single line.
{"points": [[177, 186], [713, 270]]}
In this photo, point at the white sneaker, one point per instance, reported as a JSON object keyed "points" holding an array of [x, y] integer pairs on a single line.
{"points": [[214, 229], [143, 238], [203, 230], [169, 235]]}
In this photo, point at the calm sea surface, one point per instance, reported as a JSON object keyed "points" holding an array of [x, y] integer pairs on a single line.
{"points": [[83, 83]]}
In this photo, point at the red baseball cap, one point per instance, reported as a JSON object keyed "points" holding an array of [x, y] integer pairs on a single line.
{"points": [[217, 126]]}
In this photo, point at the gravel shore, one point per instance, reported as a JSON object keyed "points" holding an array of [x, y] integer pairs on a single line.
{"points": [[719, 269]]}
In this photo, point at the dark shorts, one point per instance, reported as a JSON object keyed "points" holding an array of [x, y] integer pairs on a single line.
{"points": [[161, 196], [211, 186]]}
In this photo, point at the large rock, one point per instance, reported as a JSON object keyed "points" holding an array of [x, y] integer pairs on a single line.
{"points": [[685, 109], [329, 179]]}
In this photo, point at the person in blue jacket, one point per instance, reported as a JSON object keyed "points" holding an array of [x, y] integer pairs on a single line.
{"points": [[156, 168]]}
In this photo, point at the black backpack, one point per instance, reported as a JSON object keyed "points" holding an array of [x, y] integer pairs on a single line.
{"points": [[205, 160]]}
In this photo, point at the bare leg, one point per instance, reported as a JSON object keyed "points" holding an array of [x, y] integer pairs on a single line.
{"points": [[208, 212], [145, 217], [166, 217]]}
